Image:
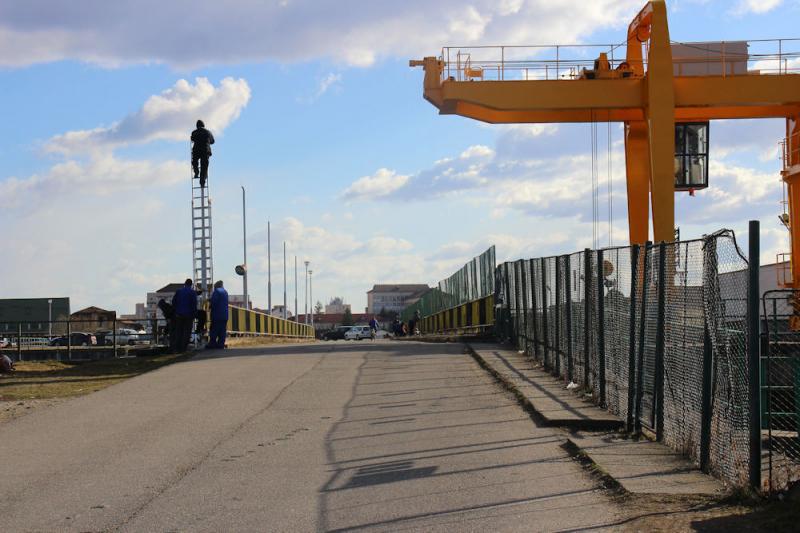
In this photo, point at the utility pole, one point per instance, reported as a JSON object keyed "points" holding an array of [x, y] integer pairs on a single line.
{"points": [[284, 280], [295, 291], [311, 295], [244, 237], [305, 295], [269, 271]]}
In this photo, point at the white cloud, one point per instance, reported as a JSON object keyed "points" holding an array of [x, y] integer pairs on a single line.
{"points": [[476, 151], [355, 32], [383, 183], [101, 175], [166, 116], [327, 82], [744, 7]]}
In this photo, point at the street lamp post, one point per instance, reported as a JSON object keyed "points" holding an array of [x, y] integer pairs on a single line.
{"points": [[305, 295], [50, 318], [295, 290], [244, 238], [284, 280], [311, 295], [269, 271]]}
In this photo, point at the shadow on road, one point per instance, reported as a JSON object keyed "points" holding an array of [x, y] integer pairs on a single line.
{"points": [[427, 441]]}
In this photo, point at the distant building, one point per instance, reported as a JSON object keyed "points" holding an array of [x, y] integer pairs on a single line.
{"points": [[151, 303], [394, 297], [237, 300], [336, 307], [92, 319], [277, 310], [31, 313]]}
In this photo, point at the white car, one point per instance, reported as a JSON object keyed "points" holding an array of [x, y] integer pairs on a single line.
{"points": [[127, 336], [356, 333]]}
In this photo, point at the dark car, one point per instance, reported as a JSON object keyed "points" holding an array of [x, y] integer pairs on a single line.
{"points": [[76, 339], [336, 333]]}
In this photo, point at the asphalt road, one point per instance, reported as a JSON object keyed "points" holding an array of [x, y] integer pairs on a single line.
{"points": [[339, 436]]}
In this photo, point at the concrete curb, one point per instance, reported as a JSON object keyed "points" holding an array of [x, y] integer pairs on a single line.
{"points": [[541, 418]]}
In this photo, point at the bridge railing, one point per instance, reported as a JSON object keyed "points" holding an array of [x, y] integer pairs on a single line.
{"points": [[253, 323], [461, 303]]}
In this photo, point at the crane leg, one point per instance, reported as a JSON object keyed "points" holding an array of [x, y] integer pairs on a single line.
{"points": [[661, 126], [637, 169]]}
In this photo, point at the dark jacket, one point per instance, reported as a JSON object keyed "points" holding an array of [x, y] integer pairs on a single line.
{"points": [[202, 139], [219, 304], [185, 302]]}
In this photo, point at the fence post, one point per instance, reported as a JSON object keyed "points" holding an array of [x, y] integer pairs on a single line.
{"points": [[753, 353], [658, 389], [557, 359], [69, 340], [546, 340], [632, 334], [519, 321], [601, 335], [705, 413], [568, 313], [507, 303], [534, 318], [19, 341], [114, 336], [587, 314], [524, 295], [648, 250]]}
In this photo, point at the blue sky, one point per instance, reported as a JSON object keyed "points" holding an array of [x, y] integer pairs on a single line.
{"points": [[318, 115]]}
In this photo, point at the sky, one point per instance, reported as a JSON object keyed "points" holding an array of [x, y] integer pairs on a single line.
{"points": [[318, 115]]}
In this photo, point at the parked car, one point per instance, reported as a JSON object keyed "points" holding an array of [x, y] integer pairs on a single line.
{"points": [[336, 333], [357, 333], [5, 342], [126, 336], [75, 339]]}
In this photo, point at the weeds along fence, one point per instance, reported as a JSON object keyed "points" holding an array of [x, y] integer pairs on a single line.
{"points": [[657, 334], [461, 303]]}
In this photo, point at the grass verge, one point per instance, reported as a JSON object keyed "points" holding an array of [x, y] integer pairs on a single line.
{"points": [[37, 380]]}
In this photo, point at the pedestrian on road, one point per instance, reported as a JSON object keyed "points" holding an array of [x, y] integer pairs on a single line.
{"points": [[373, 327], [219, 316], [185, 304], [202, 139]]}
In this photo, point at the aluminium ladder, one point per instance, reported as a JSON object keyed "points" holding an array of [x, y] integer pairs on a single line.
{"points": [[201, 239]]}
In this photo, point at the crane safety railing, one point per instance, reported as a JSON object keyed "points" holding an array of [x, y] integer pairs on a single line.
{"points": [[559, 62]]}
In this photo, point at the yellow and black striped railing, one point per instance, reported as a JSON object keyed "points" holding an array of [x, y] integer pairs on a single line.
{"points": [[476, 316], [247, 322]]}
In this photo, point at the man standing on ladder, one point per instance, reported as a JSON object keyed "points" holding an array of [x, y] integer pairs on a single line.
{"points": [[202, 139]]}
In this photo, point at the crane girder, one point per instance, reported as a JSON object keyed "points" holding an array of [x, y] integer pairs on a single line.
{"points": [[649, 102]]}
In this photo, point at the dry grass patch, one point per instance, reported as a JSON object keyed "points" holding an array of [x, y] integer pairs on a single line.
{"points": [[35, 380]]}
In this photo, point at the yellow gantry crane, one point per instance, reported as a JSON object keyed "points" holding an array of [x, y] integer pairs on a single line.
{"points": [[665, 93]]}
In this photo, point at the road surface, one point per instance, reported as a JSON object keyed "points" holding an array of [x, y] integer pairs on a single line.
{"points": [[372, 436]]}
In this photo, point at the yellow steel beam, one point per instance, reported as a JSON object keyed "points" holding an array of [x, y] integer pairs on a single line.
{"points": [[696, 98], [637, 166], [661, 123]]}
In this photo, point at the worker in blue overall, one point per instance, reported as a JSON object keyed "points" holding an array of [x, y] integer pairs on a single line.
{"points": [[219, 316]]}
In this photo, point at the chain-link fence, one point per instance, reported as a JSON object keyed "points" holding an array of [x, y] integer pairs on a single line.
{"points": [[656, 334], [780, 387], [473, 281]]}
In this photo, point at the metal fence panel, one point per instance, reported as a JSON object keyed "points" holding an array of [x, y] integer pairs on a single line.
{"points": [[658, 335]]}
